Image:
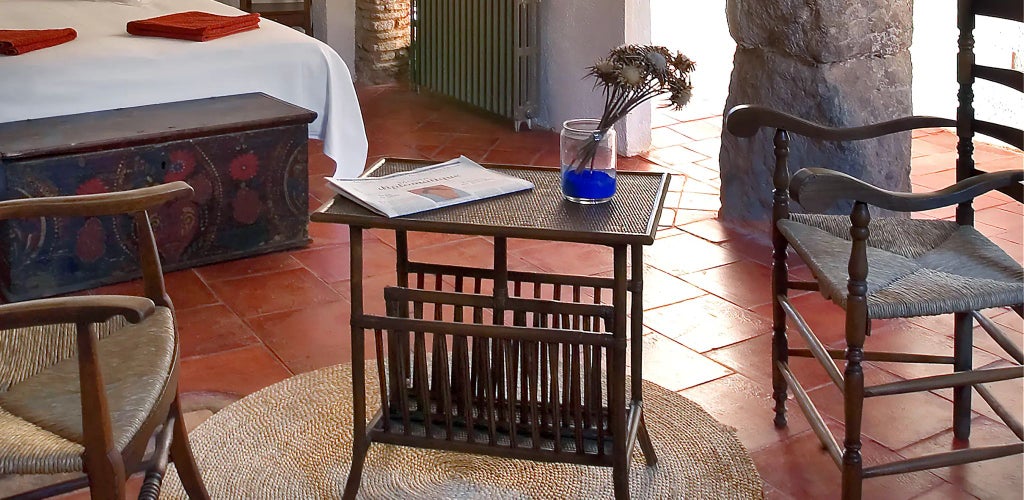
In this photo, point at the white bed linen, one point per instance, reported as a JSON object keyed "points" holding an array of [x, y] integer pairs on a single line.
{"points": [[106, 68]]}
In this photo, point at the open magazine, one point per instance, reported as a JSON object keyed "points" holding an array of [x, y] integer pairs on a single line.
{"points": [[455, 181]]}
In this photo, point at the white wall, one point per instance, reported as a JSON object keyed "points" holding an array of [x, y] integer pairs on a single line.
{"points": [[339, 29], [574, 34], [934, 56]]}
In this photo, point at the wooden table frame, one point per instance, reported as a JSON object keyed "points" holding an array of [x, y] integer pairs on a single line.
{"points": [[625, 427]]}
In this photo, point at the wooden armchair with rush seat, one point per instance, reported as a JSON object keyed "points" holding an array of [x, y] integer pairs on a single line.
{"points": [[896, 268], [86, 382]]}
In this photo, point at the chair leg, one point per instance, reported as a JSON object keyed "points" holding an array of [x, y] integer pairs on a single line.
{"points": [[780, 344], [852, 468], [181, 455], [106, 476], [963, 349], [857, 325]]}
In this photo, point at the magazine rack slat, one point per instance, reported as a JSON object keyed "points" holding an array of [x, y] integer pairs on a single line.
{"points": [[523, 365]]}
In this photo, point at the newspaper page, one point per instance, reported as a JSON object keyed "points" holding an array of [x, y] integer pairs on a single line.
{"points": [[455, 181]]}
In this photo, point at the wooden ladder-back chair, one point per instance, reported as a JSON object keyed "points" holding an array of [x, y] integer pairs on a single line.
{"points": [[895, 267], [290, 13], [85, 382]]}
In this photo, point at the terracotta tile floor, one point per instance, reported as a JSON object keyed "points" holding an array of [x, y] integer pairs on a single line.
{"points": [[253, 322]]}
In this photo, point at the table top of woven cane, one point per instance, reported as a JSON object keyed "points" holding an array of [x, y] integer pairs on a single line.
{"points": [[630, 217]]}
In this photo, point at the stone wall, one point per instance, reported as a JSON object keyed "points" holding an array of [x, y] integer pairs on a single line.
{"points": [[838, 63], [382, 40]]}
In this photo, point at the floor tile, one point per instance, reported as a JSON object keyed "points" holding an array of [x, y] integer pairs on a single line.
{"points": [[749, 408], [417, 239], [327, 234], [663, 137], [212, 329], [239, 371], [674, 155], [675, 367], [333, 263], [700, 129], [568, 258], [712, 230], [185, 288], [476, 252], [744, 283], [946, 491], [995, 479], [885, 417], [662, 289], [373, 292], [273, 292], [330, 264], [711, 146], [312, 337], [679, 255], [803, 469], [752, 359], [706, 323], [250, 266], [1009, 319], [826, 320], [933, 163]]}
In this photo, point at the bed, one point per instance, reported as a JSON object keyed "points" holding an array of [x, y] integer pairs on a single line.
{"points": [[106, 68]]}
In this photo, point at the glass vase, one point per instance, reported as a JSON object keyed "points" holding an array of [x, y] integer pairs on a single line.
{"points": [[588, 162]]}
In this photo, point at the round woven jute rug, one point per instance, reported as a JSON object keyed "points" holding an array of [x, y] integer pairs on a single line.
{"points": [[294, 440]]}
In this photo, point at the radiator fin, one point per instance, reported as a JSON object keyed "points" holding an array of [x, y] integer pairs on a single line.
{"points": [[481, 52]]}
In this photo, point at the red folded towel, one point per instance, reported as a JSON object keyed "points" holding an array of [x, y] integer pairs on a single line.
{"points": [[14, 42], [195, 26]]}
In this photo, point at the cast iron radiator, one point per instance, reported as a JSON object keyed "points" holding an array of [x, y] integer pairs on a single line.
{"points": [[482, 52]]}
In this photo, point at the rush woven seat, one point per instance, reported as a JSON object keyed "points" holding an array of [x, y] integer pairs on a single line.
{"points": [[134, 360], [90, 383], [917, 267], [896, 267]]}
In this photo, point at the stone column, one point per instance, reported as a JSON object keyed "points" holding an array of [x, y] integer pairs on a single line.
{"points": [[382, 40], [836, 62]]}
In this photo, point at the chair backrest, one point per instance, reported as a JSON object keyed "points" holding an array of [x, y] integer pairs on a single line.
{"points": [[287, 12], [967, 72]]}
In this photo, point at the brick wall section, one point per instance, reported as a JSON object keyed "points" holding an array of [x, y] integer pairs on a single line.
{"points": [[382, 40]]}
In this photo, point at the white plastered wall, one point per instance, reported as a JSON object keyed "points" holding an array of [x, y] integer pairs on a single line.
{"points": [[998, 43], [335, 25], [574, 34]]}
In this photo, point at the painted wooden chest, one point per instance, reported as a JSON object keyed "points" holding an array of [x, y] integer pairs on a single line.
{"points": [[245, 156]]}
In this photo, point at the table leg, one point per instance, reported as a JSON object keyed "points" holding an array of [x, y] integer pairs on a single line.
{"points": [[500, 273], [637, 348], [360, 442], [402, 258], [617, 379]]}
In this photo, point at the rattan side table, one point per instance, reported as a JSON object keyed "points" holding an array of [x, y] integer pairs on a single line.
{"points": [[523, 365]]}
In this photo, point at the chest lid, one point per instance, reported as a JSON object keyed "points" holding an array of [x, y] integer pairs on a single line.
{"points": [[142, 125]]}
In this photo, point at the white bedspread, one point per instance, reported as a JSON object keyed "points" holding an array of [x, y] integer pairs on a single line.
{"points": [[106, 68]]}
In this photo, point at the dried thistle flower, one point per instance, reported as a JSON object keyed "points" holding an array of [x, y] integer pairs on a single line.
{"points": [[605, 71], [657, 61], [632, 75]]}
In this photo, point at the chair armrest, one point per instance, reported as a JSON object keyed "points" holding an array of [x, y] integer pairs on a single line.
{"points": [[91, 205], [745, 120], [93, 309], [818, 188]]}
